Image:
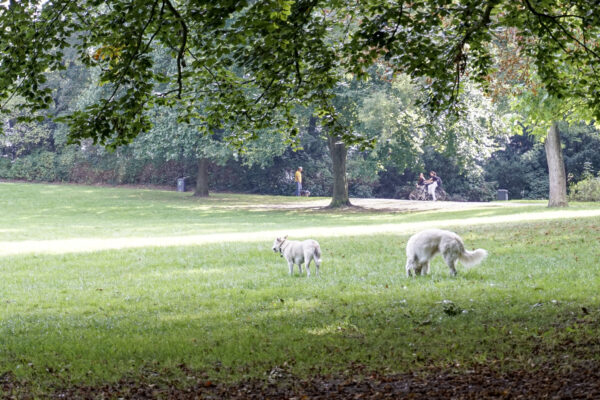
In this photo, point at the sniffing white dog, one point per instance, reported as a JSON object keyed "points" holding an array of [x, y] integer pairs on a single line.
{"points": [[423, 246], [296, 252]]}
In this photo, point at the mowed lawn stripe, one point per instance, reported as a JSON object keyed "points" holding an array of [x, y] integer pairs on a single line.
{"points": [[81, 245]]}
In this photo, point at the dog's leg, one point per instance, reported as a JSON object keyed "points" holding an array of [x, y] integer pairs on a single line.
{"points": [[291, 265], [425, 268], [410, 268], [317, 265], [307, 260], [450, 259]]}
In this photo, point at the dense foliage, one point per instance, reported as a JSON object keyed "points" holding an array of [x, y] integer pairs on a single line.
{"points": [[586, 190], [164, 74], [250, 63], [519, 167], [380, 108]]}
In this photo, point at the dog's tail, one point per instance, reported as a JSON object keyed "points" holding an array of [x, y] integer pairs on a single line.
{"points": [[318, 254], [472, 258]]}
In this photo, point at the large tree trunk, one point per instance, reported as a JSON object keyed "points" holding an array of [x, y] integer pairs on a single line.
{"points": [[338, 152], [312, 125], [556, 168], [202, 179]]}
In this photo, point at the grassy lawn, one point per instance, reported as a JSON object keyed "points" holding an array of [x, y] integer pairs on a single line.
{"points": [[222, 303]]}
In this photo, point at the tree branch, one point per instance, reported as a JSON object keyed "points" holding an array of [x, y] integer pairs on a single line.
{"points": [[482, 22], [458, 50], [181, 53], [134, 55], [549, 16], [48, 25], [554, 19]]}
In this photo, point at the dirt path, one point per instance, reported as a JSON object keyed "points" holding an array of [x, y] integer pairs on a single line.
{"points": [[389, 205]]}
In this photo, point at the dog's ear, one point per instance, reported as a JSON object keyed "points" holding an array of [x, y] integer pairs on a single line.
{"points": [[285, 237]]}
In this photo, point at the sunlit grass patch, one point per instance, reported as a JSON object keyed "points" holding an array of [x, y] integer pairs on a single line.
{"points": [[228, 308]]}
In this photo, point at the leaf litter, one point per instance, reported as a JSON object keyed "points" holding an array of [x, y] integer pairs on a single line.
{"points": [[579, 380]]}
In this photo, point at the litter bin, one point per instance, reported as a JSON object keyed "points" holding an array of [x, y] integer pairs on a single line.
{"points": [[502, 194], [181, 184]]}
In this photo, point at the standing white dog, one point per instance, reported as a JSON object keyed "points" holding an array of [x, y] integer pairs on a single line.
{"points": [[422, 246], [296, 252]]}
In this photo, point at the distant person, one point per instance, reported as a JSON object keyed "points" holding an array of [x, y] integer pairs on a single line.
{"points": [[421, 180], [298, 180], [432, 183], [436, 179]]}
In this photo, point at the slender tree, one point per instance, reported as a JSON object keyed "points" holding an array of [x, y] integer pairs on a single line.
{"points": [[556, 168], [517, 79]]}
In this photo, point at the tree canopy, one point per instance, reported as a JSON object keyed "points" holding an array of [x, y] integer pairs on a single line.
{"points": [[249, 63]]}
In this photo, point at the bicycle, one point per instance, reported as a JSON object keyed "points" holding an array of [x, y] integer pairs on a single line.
{"points": [[420, 193]]}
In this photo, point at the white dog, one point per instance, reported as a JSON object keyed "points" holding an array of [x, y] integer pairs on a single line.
{"points": [[296, 252], [422, 246]]}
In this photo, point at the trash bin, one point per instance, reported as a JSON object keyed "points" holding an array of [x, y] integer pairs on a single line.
{"points": [[181, 184], [502, 194]]}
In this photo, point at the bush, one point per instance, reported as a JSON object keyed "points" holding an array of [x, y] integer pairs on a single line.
{"points": [[457, 197], [586, 190], [21, 168], [520, 168], [44, 166], [538, 186], [403, 191], [470, 188], [360, 189], [5, 165], [38, 166], [64, 164], [486, 191]]}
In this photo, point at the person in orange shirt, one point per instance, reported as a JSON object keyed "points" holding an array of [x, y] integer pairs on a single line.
{"points": [[298, 180]]}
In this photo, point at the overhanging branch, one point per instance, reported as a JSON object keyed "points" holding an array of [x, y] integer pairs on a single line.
{"points": [[182, 47]]}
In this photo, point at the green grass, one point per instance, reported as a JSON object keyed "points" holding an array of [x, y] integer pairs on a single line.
{"points": [[230, 310], [46, 212]]}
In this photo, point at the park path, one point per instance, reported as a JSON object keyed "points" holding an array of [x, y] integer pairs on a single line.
{"points": [[81, 245], [389, 205]]}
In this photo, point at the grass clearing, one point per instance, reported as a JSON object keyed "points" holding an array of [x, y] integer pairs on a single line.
{"points": [[229, 309]]}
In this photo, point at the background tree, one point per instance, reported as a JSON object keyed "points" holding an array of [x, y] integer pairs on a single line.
{"points": [[521, 167], [543, 112], [247, 65], [559, 37], [170, 140]]}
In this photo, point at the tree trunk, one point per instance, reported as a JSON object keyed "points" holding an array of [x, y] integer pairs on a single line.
{"points": [[556, 168], [202, 179], [312, 125], [338, 152]]}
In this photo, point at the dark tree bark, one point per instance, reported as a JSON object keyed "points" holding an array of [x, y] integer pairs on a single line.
{"points": [[556, 168], [202, 179], [338, 152], [312, 125]]}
